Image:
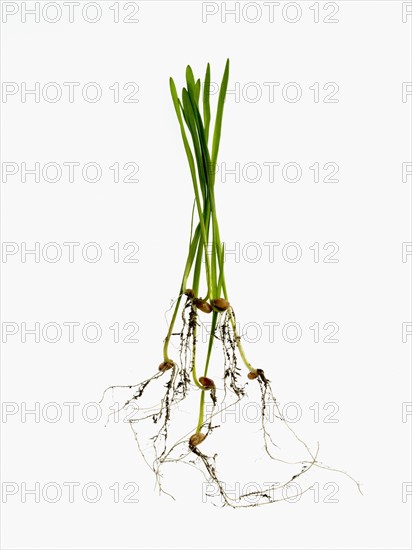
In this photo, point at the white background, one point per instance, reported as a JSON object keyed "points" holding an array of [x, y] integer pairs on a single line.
{"points": [[366, 212]]}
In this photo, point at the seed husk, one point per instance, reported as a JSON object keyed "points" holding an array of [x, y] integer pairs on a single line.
{"points": [[166, 365], [220, 304], [252, 375], [207, 383], [202, 305], [196, 439], [189, 293]]}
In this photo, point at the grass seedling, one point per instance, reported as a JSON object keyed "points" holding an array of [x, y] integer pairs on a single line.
{"points": [[205, 265]]}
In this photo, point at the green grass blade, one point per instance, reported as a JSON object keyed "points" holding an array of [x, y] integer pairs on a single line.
{"points": [[183, 112], [190, 80], [197, 120], [206, 102], [189, 154], [219, 115], [197, 91], [178, 108], [189, 108]]}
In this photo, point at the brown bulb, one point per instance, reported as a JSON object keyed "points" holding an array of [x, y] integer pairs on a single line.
{"points": [[207, 383], [202, 305], [220, 304], [196, 439], [252, 375], [189, 293], [166, 365]]}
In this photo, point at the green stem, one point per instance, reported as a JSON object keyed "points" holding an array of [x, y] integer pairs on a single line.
{"points": [[209, 354], [189, 262], [196, 281], [211, 340], [202, 406]]}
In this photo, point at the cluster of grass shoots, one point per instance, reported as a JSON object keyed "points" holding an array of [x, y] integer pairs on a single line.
{"points": [[205, 265]]}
